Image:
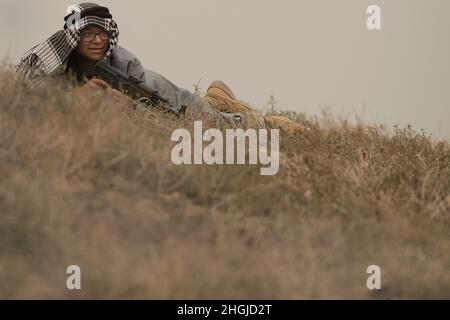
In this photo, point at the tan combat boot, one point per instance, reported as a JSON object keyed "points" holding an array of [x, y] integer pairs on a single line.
{"points": [[285, 125], [221, 98]]}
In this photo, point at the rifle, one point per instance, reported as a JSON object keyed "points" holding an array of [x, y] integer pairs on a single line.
{"points": [[134, 88]]}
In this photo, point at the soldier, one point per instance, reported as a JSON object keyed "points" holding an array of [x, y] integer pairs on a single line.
{"points": [[90, 34]]}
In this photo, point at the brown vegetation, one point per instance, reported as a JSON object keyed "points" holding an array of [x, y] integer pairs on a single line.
{"points": [[85, 182]]}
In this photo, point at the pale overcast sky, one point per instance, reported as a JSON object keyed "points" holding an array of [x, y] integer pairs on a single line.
{"points": [[308, 53]]}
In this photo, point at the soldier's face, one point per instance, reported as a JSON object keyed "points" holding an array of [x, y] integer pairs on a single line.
{"points": [[93, 44]]}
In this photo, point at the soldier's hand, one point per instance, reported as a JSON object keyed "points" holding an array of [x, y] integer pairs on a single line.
{"points": [[117, 96], [121, 98], [94, 84]]}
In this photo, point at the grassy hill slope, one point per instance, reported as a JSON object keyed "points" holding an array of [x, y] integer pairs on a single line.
{"points": [[87, 182]]}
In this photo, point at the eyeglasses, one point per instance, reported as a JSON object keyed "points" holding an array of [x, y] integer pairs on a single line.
{"points": [[89, 36]]}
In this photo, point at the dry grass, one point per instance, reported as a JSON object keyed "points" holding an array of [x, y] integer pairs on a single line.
{"points": [[85, 182]]}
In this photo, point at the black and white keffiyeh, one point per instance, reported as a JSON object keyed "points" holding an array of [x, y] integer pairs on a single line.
{"points": [[50, 57]]}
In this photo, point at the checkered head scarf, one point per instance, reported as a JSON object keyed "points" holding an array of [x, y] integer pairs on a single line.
{"points": [[51, 56]]}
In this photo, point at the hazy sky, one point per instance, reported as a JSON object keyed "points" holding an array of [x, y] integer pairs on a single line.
{"points": [[308, 53]]}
